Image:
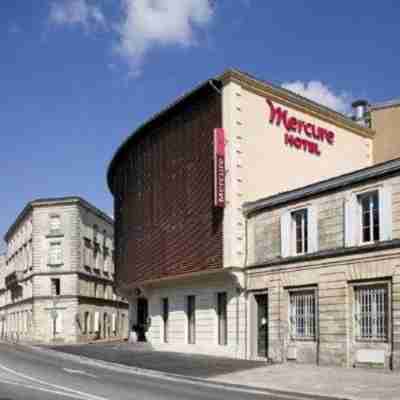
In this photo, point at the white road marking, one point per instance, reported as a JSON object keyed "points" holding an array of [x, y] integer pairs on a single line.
{"points": [[42, 389], [79, 372], [86, 396]]}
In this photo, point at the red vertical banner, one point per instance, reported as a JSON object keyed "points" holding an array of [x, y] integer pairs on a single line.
{"points": [[219, 167]]}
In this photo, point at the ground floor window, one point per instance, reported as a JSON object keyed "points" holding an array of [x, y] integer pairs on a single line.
{"points": [[165, 317], [191, 319], [222, 318], [371, 312], [302, 314]]}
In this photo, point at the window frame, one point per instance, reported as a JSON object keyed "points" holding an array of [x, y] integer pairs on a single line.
{"points": [[306, 290], [305, 228], [383, 283], [359, 197], [56, 284], [52, 262]]}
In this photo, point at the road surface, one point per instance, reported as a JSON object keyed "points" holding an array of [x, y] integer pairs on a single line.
{"points": [[27, 374]]}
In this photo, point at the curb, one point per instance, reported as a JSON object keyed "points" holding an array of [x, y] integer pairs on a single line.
{"points": [[188, 379]]}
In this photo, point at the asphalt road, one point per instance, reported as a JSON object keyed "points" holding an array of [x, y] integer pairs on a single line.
{"points": [[27, 374]]}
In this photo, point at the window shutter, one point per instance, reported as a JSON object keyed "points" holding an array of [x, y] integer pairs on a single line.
{"points": [[285, 234], [385, 213], [350, 221], [313, 229]]}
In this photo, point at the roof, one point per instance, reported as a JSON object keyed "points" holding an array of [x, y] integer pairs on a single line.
{"points": [[339, 182], [276, 92], [385, 104], [55, 201]]}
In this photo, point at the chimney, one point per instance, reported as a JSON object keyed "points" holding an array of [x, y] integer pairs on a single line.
{"points": [[361, 112]]}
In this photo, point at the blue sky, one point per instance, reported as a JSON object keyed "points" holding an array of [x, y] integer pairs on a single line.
{"points": [[79, 75]]}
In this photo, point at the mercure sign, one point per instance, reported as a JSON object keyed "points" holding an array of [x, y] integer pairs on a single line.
{"points": [[300, 135], [219, 167]]}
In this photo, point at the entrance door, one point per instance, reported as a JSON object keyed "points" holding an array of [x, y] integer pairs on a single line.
{"points": [[142, 316], [262, 325]]}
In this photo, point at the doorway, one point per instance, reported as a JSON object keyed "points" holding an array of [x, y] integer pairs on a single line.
{"points": [[262, 324]]}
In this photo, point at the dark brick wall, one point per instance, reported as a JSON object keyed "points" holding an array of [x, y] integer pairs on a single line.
{"points": [[166, 223]]}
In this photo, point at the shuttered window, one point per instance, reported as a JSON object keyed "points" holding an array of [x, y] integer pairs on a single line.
{"points": [[371, 312], [300, 231], [369, 210]]}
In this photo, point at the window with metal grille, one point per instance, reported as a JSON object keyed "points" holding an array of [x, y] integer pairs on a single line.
{"points": [[369, 210], [300, 230], [302, 314], [371, 312]]}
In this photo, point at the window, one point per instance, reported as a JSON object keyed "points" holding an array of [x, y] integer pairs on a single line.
{"points": [[86, 322], [55, 253], [302, 314], [114, 324], [87, 253], [191, 318], [165, 317], [95, 234], [222, 320], [55, 286], [371, 312], [58, 322], [368, 216], [300, 231], [369, 211], [96, 325], [55, 223]]}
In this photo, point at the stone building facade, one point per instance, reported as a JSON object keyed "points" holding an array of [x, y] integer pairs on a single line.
{"points": [[325, 259], [180, 257], [56, 282]]}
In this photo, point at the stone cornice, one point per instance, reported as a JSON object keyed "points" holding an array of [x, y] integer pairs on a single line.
{"points": [[293, 100], [327, 254]]}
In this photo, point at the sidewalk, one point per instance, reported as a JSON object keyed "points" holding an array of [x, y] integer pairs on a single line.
{"points": [[344, 383]]}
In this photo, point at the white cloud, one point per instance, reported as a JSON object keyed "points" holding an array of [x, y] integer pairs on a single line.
{"points": [[320, 93], [76, 12], [149, 23]]}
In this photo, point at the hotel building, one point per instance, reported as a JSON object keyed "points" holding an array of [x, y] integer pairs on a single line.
{"points": [[190, 237]]}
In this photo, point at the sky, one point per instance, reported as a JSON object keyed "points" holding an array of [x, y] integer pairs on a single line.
{"points": [[78, 76]]}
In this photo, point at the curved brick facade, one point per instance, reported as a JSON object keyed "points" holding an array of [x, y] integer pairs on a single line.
{"points": [[162, 181]]}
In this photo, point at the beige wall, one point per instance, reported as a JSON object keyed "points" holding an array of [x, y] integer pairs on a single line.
{"points": [[259, 164], [333, 277], [270, 166], [386, 123]]}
